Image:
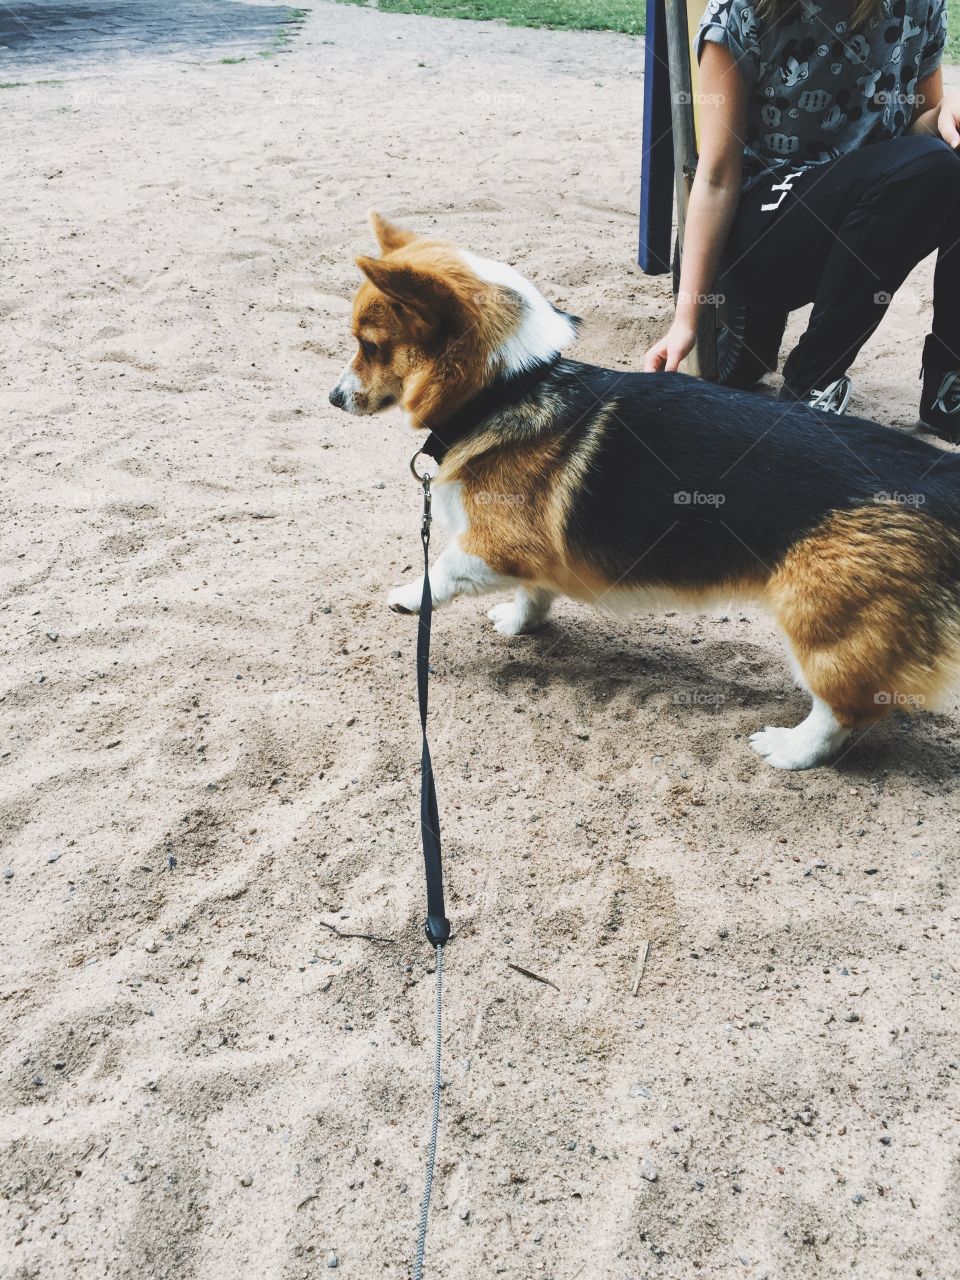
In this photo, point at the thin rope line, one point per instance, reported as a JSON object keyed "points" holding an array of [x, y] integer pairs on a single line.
{"points": [[434, 1126]]}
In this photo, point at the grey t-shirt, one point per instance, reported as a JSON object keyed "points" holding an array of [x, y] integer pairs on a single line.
{"points": [[816, 89]]}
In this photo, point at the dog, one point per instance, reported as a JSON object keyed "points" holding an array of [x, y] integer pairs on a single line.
{"points": [[644, 490]]}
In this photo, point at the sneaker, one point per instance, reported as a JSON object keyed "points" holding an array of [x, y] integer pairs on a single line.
{"points": [[832, 399], [940, 404]]}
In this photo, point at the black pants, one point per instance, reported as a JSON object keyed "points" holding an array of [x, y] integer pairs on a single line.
{"points": [[845, 236]]}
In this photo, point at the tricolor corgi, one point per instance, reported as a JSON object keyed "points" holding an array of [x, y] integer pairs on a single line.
{"points": [[635, 490]]}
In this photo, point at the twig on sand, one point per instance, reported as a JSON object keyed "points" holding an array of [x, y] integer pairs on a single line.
{"points": [[528, 973], [641, 964], [367, 937]]}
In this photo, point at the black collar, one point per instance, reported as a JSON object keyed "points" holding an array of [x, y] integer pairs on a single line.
{"points": [[501, 392]]}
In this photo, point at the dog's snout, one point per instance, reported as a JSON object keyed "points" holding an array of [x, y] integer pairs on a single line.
{"points": [[337, 398]]}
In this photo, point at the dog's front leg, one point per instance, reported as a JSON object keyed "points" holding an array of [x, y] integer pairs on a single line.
{"points": [[455, 573]]}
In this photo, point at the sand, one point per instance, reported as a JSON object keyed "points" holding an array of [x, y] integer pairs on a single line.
{"points": [[210, 745]]}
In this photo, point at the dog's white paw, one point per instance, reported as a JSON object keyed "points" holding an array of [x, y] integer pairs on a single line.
{"points": [[788, 748], [513, 620], [406, 599]]}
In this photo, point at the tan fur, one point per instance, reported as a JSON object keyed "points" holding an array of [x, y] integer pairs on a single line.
{"points": [[517, 499], [870, 606], [434, 323]]}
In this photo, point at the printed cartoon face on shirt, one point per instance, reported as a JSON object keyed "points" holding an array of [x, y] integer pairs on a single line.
{"points": [[819, 87], [856, 49], [792, 72], [749, 27], [794, 62]]}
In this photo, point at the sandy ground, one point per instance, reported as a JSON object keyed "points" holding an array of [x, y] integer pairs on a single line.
{"points": [[210, 746]]}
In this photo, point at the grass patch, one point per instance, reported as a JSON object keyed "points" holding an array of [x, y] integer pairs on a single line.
{"points": [[579, 15], [230, 62], [12, 84], [628, 16]]}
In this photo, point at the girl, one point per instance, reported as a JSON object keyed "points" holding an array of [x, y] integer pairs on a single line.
{"points": [[828, 169]]}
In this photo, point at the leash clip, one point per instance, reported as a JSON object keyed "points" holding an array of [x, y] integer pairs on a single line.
{"points": [[424, 480], [427, 507]]}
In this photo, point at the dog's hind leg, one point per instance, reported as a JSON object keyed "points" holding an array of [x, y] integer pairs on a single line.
{"points": [[526, 612], [813, 741], [868, 603], [454, 573]]}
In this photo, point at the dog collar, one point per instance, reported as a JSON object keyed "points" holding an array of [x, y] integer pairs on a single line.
{"points": [[500, 393]]}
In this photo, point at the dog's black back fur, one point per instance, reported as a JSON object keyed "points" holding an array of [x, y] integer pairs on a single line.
{"points": [[695, 483]]}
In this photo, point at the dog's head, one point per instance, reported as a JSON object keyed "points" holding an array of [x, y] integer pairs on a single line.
{"points": [[434, 324]]}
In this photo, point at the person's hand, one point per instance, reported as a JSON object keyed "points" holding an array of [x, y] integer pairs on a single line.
{"points": [[665, 356], [948, 121]]}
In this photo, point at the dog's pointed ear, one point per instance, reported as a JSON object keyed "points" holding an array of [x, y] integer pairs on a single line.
{"points": [[408, 287], [388, 235]]}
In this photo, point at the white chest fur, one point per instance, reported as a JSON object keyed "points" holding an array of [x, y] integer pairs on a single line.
{"points": [[448, 509]]}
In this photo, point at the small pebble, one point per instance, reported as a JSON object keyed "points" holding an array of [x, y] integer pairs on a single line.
{"points": [[53, 635], [857, 1199], [332, 1260], [648, 1169], [886, 1139], [149, 946], [8, 875], [246, 1180]]}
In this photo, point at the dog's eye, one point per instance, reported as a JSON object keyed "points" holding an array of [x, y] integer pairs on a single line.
{"points": [[368, 348]]}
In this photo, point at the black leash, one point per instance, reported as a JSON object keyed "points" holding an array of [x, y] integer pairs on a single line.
{"points": [[502, 391], [437, 924]]}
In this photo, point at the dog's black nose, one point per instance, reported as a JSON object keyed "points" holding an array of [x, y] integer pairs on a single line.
{"points": [[337, 397]]}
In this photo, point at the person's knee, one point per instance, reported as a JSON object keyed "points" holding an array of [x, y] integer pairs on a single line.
{"points": [[922, 173], [935, 167]]}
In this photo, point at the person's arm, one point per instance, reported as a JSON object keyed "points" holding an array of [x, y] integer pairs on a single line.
{"points": [[713, 199], [936, 113]]}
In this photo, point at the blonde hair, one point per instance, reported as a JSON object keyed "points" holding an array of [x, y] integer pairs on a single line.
{"points": [[776, 10]]}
